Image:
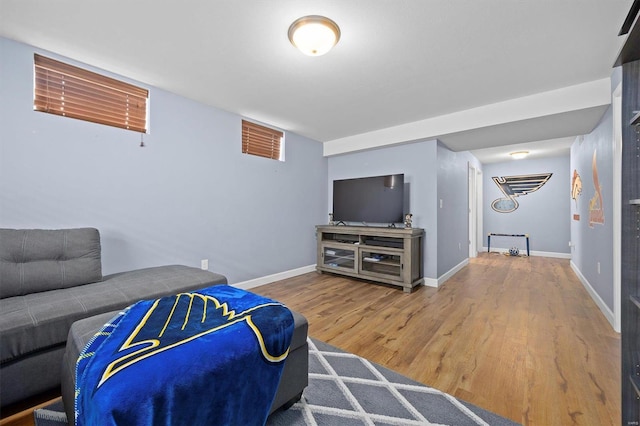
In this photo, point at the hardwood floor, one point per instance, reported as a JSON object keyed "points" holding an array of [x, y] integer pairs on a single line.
{"points": [[517, 336]]}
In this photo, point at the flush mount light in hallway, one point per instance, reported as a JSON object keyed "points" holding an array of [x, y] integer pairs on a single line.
{"points": [[519, 155], [314, 35]]}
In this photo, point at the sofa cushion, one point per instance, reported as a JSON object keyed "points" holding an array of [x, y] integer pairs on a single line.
{"points": [[42, 320], [33, 260]]}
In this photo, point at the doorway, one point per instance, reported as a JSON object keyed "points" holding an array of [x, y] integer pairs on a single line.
{"points": [[475, 213]]}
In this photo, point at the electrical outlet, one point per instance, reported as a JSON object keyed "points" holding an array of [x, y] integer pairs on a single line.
{"points": [[598, 268], [459, 246], [440, 202], [204, 264]]}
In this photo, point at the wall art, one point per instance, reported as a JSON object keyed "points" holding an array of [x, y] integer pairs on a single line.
{"points": [[576, 190], [515, 186], [596, 209]]}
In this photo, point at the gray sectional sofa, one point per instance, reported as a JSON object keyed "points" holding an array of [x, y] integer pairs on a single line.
{"points": [[51, 278]]}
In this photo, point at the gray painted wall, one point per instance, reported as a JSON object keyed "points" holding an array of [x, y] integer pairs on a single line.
{"points": [[453, 216], [543, 214], [190, 194], [418, 162], [594, 244]]}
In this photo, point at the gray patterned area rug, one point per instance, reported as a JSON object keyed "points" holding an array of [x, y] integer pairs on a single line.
{"points": [[345, 389]]}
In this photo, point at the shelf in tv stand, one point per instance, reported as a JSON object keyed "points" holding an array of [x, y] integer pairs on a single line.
{"points": [[387, 255]]}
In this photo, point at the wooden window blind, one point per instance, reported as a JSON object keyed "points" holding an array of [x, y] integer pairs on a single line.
{"points": [[260, 140], [66, 90]]}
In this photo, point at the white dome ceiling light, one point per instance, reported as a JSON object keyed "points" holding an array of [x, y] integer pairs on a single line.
{"points": [[314, 35]]}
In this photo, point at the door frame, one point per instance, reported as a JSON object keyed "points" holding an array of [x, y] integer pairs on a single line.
{"points": [[617, 206], [474, 186]]}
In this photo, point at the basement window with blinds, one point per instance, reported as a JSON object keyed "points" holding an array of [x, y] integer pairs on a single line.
{"points": [[262, 141], [69, 91]]}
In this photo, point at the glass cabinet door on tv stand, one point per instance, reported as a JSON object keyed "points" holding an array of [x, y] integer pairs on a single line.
{"points": [[338, 257], [381, 263]]}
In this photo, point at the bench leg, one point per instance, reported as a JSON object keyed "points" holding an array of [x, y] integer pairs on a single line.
{"points": [[292, 401]]}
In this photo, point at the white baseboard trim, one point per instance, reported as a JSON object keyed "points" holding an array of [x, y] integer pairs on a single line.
{"points": [[451, 272], [246, 285], [533, 252], [608, 313], [431, 282], [256, 282]]}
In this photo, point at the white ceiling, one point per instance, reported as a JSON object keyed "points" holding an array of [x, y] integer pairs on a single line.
{"points": [[539, 149], [472, 73]]}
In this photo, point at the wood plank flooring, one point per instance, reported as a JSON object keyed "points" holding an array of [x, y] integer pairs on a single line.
{"points": [[518, 336]]}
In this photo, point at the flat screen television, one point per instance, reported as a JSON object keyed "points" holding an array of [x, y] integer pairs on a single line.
{"points": [[376, 199]]}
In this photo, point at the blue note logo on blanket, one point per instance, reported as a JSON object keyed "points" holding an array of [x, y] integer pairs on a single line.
{"points": [[176, 320], [177, 360]]}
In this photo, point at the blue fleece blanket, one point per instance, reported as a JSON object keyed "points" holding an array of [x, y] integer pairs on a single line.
{"points": [[211, 357]]}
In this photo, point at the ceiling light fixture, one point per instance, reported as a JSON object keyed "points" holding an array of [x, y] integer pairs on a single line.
{"points": [[519, 155], [314, 35]]}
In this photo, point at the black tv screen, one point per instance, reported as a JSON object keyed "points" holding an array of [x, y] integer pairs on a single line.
{"points": [[377, 199]]}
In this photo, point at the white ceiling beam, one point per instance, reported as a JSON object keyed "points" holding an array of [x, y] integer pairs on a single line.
{"points": [[572, 98]]}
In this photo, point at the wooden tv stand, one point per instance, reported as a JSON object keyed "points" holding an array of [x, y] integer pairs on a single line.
{"points": [[387, 255]]}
